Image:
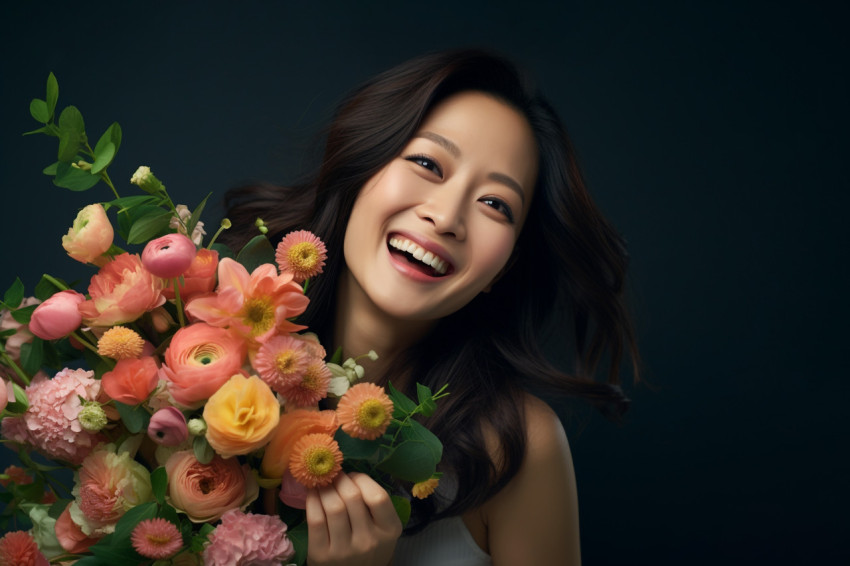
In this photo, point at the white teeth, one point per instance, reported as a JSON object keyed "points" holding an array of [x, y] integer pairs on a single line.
{"points": [[418, 252]]}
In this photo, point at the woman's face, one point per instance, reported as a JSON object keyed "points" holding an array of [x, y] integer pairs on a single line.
{"points": [[437, 224]]}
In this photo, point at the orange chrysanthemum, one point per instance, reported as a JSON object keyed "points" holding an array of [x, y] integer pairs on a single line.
{"points": [[316, 460], [120, 343], [365, 411], [309, 388], [302, 254], [423, 489]]}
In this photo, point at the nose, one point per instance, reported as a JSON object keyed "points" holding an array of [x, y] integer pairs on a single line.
{"points": [[445, 210]]}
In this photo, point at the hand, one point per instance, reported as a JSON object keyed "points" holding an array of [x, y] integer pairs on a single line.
{"points": [[351, 522]]}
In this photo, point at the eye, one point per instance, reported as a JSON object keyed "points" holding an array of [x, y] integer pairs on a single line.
{"points": [[427, 163], [500, 205]]}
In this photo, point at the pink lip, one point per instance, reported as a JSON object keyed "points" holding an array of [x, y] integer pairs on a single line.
{"points": [[432, 247]]}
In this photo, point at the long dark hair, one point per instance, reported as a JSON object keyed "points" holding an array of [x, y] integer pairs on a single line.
{"points": [[567, 257]]}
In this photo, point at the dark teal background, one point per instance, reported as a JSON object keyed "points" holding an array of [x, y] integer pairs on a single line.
{"points": [[714, 134]]}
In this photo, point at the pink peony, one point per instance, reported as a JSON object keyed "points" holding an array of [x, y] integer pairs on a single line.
{"points": [[168, 256], [106, 486], [244, 539], [206, 491], [257, 305], [70, 536], [199, 279], [51, 420], [168, 427], [90, 236], [18, 548], [122, 291], [22, 333], [132, 380], [58, 316], [199, 360]]}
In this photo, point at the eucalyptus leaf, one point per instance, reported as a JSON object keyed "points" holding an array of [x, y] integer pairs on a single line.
{"points": [[39, 110], [255, 253], [103, 158], [32, 355], [106, 147], [14, 295], [135, 418], [417, 432], [50, 169], [410, 461], [71, 133], [74, 179], [52, 94], [148, 227]]}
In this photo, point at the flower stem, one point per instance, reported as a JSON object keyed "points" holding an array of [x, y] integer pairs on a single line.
{"points": [[15, 367], [56, 283], [178, 302]]}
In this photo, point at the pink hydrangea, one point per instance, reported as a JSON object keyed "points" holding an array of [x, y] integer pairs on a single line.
{"points": [[245, 538], [51, 420]]}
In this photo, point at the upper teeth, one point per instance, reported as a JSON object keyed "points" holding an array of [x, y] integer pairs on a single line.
{"points": [[420, 253]]}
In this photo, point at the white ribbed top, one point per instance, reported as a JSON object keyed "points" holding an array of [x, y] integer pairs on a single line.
{"points": [[446, 542]]}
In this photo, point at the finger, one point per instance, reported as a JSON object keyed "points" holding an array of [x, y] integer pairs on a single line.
{"points": [[358, 513], [317, 523], [378, 501], [336, 514]]}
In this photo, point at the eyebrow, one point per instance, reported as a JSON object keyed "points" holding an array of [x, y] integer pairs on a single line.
{"points": [[453, 149]]}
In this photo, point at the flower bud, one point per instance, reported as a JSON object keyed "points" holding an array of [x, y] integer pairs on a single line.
{"points": [[197, 427], [168, 427], [58, 316], [169, 256], [145, 180], [92, 417], [373, 355], [90, 236]]}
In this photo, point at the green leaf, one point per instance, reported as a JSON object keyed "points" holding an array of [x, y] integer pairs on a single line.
{"points": [[410, 461], [52, 94], [198, 541], [403, 404], [159, 483], [356, 448], [32, 355], [21, 402], [106, 147], [23, 315], [426, 401], [116, 548], [39, 111], [50, 169], [402, 507], [41, 130], [204, 453], [196, 215], [255, 253], [125, 203], [223, 251], [69, 177], [135, 417], [14, 295], [46, 288], [148, 227], [298, 536], [417, 432], [71, 133]]}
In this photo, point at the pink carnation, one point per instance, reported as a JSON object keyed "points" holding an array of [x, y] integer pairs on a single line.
{"points": [[51, 420], [248, 539], [18, 548]]}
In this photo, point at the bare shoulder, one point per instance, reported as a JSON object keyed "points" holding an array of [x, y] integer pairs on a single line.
{"points": [[534, 519]]}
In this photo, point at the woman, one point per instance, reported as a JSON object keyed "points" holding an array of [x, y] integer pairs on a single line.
{"points": [[466, 223]]}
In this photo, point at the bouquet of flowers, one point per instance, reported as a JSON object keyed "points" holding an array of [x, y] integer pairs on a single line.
{"points": [[178, 386]]}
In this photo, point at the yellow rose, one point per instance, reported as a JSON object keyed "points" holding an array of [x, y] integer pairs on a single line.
{"points": [[241, 416]]}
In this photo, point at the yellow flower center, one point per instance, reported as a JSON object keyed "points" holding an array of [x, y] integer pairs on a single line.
{"points": [[285, 361], [259, 315], [319, 461], [158, 540], [371, 414], [205, 354], [303, 256]]}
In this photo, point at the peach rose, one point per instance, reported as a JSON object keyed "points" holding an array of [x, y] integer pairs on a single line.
{"points": [[122, 291], [199, 360], [206, 491], [58, 316], [199, 279], [132, 380], [90, 236], [290, 429], [241, 415]]}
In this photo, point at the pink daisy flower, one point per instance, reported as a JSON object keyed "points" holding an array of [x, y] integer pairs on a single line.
{"points": [[282, 360], [156, 538], [302, 254], [309, 388], [18, 548]]}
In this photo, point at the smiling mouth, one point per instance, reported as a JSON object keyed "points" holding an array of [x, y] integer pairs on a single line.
{"points": [[418, 257]]}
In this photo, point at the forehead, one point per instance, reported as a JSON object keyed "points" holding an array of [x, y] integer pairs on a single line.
{"points": [[488, 131]]}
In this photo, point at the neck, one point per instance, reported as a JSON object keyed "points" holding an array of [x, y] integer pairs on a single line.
{"points": [[361, 326]]}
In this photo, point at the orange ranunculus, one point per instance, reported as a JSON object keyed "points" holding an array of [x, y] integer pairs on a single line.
{"points": [[199, 359], [206, 491], [132, 380], [90, 236], [292, 427], [241, 415], [122, 291], [257, 305], [199, 278]]}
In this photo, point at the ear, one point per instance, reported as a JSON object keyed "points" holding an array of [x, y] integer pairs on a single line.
{"points": [[507, 267]]}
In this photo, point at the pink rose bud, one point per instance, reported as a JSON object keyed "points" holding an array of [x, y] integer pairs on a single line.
{"points": [[58, 316], [168, 427], [90, 236], [168, 256]]}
